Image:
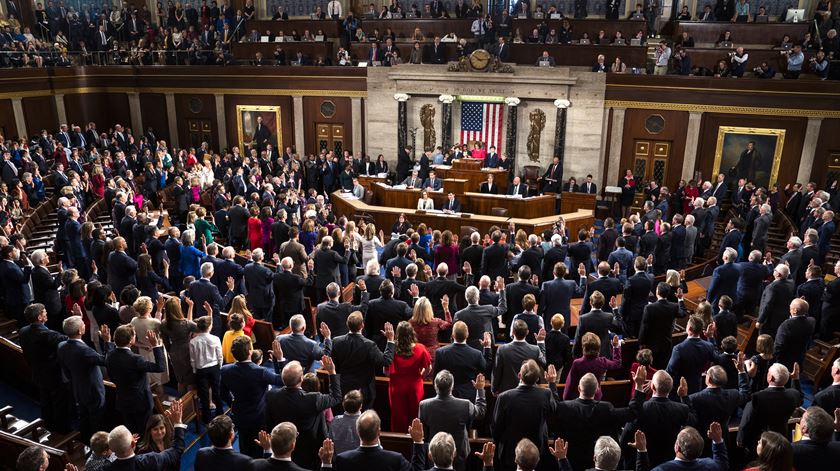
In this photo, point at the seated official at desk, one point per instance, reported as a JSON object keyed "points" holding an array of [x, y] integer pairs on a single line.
{"points": [[452, 205], [401, 226], [358, 189], [492, 159], [425, 202], [433, 182], [545, 60], [489, 187], [517, 188], [570, 186], [588, 186], [413, 181]]}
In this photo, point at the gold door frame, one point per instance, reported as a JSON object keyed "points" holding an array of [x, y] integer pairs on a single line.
{"points": [[240, 133], [777, 152]]}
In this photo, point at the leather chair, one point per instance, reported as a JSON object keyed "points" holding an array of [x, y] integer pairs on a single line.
{"points": [[466, 231], [530, 174], [498, 211]]}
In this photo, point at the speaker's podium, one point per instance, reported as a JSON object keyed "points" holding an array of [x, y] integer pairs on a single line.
{"points": [[572, 201]]}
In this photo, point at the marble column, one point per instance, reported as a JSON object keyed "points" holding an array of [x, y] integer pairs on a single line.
{"points": [[692, 141], [809, 149], [402, 120], [446, 121], [297, 118], [136, 115], [221, 120], [171, 119], [512, 103], [60, 110], [616, 137], [356, 116], [560, 132], [17, 109]]}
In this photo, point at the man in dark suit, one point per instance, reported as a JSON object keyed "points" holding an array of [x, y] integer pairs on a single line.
{"points": [[404, 163], [259, 281], [600, 417], [292, 286], [45, 288], [771, 408], [399, 261], [123, 445], [244, 386], [451, 205], [81, 366], [724, 278], [517, 290], [689, 357], [464, 361], [657, 327], [203, 290], [829, 397], [479, 319], [510, 356], [517, 188], [357, 358], [825, 233], [531, 257], [370, 455], [282, 444], [793, 257], [818, 451], [648, 241], [635, 297], [761, 227], [502, 51], [335, 313], [494, 258], [442, 286], [599, 323], [551, 177], [384, 310], [129, 372], [794, 335], [306, 410], [732, 238], [776, 302], [221, 456], [39, 345], [121, 267], [606, 283], [688, 447], [298, 347], [810, 255], [437, 51], [588, 186], [556, 295], [661, 419], [489, 187], [238, 217], [580, 253], [523, 411], [15, 274]]}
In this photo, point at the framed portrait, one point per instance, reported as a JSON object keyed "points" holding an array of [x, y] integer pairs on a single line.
{"points": [[259, 126], [750, 153]]}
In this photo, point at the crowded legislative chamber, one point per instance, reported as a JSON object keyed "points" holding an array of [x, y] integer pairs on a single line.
{"points": [[400, 235]]}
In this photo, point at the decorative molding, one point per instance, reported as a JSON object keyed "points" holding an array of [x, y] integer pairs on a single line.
{"points": [[512, 101], [402, 97], [645, 105], [446, 99], [195, 91], [708, 89], [562, 103]]}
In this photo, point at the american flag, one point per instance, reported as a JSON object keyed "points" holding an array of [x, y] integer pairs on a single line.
{"points": [[482, 122]]}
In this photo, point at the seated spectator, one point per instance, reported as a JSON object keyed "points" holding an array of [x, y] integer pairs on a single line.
{"points": [[535, 37], [722, 70], [600, 64], [638, 14], [685, 40], [774, 452], [618, 67], [725, 39], [551, 37], [618, 39], [764, 71], [707, 15], [545, 60], [684, 14], [786, 42]]}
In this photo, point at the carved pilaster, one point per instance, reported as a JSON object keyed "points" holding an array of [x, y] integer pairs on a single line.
{"points": [[560, 133], [510, 131]]}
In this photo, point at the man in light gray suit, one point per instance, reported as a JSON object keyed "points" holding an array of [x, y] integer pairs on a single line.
{"points": [[446, 413], [762, 225], [479, 319], [509, 357], [358, 189]]}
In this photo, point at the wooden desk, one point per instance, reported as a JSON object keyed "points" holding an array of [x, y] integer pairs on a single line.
{"points": [[388, 196], [385, 217], [525, 208], [742, 33], [709, 57], [361, 51], [367, 181], [468, 164], [474, 177], [311, 50], [331, 28], [430, 27], [578, 55], [571, 202]]}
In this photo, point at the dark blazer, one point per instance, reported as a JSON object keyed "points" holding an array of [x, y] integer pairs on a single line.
{"points": [[494, 261], [366, 457], [514, 293], [480, 318], [221, 459], [633, 301], [272, 464], [608, 286], [238, 226], [381, 311], [662, 419], [129, 372], [689, 359], [809, 253], [724, 282], [244, 386], [718, 405], [39, 346], [306, 411], [485, 188], [606, 243], [436, 288], [657, 326], [775, 305], [509, 358], [15, 281], [792, 340], [327, 264], [465, 363], [357, 360], [203, 290], [81, 365], [726, 324], [552, 257], [828, 398], [794, 260], [45, 291], [259, 281], [298, 347], [648, 243], [121, 271], [556, 297], [600, 417], [599, 323], [522, 190], [166, 459], [718, 462], [291, 286], [522, 412], [335, 314], [579, 252], [769, 409], [811, 455], [227, 268]]}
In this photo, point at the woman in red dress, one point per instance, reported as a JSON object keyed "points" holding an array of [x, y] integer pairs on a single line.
{"points": [[255, 229], [405, 389], [691, 192]]}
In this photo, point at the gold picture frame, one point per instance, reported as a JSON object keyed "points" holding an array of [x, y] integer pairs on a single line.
{"points": [[732, 142], [246, 120]]}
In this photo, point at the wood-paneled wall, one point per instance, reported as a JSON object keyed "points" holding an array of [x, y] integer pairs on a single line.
{"points": [[286, 116], [827, 144], [8, 124], [196, 107], [154, 114], [674, 133], [312, 115], [39, 113], [105, 109]]}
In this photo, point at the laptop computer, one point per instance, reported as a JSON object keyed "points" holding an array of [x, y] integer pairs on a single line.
{"points": [[584, 42], [762, 19], [620, 42], [556, 16], [539, 15], [635, 42], [725, 44], [319, 38]]}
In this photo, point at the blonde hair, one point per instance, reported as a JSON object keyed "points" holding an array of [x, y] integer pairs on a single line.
{"points": [[557, 321], [423, 313], [370, 231], [240, 306], [704, 311], [672, 277], [143, 305]]}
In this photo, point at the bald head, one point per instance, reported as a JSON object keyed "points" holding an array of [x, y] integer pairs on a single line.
{"points": [[292, 374]]}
